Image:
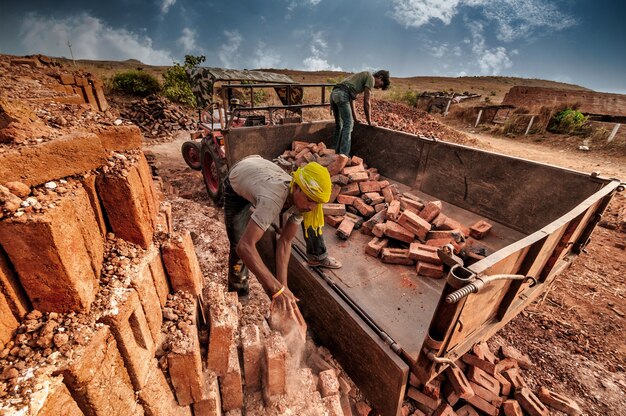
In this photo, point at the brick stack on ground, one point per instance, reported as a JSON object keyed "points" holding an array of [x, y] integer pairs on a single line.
{"points": [[483, 383]]}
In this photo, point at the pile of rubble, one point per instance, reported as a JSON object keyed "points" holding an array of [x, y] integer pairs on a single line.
{"points": [[157, 117], [482, 383], [406, 229]]}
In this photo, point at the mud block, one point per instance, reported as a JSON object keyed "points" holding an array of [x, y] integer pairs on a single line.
{"points": [[275, 368], [346, 199], [98, 381], [334, 209], [369, 186], [480, 377], [143, 283], [57, 255], [130, 209], [512, 408], [8, 322], [353, 169], [415, 224], [67, 79], [515, 378], [89, 183], [223, 322], [480, 229], [333, 220], [351, 189], [129, 326], [338, 164], [423, 399], [55, 399], [488, 395], [345, 229], [346, 407], [396, 256], [211, 405], [166, 209], [12, 289], [484, 365], [375, 246], [459, 382], [466, 410], [185, 369], [182, 264], [398, 232], [559, 402], [444, 409], [429, 270], [98, 89], [483, 405], [393, 212], [328, 383], [334, 193], [161, 283], [513, 353], [91, 97], [530, 403], [424, 253], [364, 209], [230, 383], [81, 81], [430, 211], [119, 138], [252, 356], [333, 405], [157, 398], [340, 180]]}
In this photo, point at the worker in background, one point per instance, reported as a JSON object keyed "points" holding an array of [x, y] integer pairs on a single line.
{"points": [[274, 194], [342, 105]]}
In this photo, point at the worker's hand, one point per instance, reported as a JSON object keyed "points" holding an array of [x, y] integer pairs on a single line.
{"points": [[357, 120], [373, 124], [284, 301]]}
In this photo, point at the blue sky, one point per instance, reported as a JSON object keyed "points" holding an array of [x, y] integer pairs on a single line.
{"points": [[576, 41]]}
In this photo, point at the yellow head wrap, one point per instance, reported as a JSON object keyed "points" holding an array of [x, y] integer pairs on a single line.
{"points": [[314, 180]]}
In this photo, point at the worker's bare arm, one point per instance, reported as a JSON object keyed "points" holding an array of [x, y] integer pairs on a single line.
{"points": [[367, 107], [283, 251], [354, 117]]}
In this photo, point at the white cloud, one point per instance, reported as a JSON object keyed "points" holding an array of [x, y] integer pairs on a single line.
{"points": [[438, 51], [229, 52], [265, 57], [490, 60], [166, 4], [90, 37], [416, 13], [318, 61], [188, 40]]}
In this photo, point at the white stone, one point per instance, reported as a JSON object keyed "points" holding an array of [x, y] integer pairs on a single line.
{"points": [[51, 185]]}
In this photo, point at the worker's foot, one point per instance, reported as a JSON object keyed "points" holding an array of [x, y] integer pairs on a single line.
{"points": [[328, 262]]}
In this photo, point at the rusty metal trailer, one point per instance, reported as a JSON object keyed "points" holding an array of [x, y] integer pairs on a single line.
{"points": [[382, 321]]}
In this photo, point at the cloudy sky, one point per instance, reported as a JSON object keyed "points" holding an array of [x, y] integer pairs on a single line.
{"points": [[576, 41]]}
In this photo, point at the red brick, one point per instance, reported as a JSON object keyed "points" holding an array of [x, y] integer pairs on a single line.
{"points": [[559, 402], [275, 368], [8, 322], [374, 176], [363, 409], [505, 385], [224, 322], [346, 199], [443, 222], [346, 407], [211, 405], [89, 183], [333, 220], [380, 207], [364, 209], [483, 405], [119, 138], [432, 388], [369, 186], [482, 351], [103, 105], [252, 356], [513, 353], [333, 406], [396, 256], [424, 253], [423, 399], [143, 283], [182, 264], [334, 193], [398, 232], [431, 210], [480, 229], [328, 383], [393, 212], [356, 161], [389, 194], [334, 209], [530, 403], [480, 377], [375, 246], [373, 198], [57, 401], [57, 255], [298, 145], [415, 224], [11, 287], [451, 396], [505, 364], [378, 218], [429, 270], [351, 189], [157, 398], [130, 328], [97, 378], [410, 205], [459, 382], [456, 235], [353, 169], [230, 383], [512, 408], [357, 177], [91, 97], [486, 394], [345, 229], [514, 377], [466, 410], [444, 409], [341, 180], [80, 81], [337, 164], [161, 283], [67, 79], [379, 229], [185, 369], [477, 362]]}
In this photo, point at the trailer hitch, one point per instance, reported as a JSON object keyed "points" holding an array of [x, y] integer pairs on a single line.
{"points": [[480, 282]]}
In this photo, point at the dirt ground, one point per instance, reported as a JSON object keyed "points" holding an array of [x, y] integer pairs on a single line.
{"points": [[574, 334]]}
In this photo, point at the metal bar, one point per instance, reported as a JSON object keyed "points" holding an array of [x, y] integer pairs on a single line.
{"points": [[323, 95], [530, 124], [613, 133], [272, 107], [480, 113], [275, 85]]}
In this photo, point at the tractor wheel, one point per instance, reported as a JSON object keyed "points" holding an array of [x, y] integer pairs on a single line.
{"points": [[214, 171], [192, 154]]}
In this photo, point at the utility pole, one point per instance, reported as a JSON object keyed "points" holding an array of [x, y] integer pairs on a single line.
{"points": [[69, 45]]}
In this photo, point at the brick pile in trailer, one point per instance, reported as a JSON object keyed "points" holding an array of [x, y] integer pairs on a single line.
{"points": [[405, 229], [481, 383], [158, 117]]}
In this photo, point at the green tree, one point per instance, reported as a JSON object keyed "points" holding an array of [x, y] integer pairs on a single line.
{"points": [[569, 121], [176, 84], [133, 82]]}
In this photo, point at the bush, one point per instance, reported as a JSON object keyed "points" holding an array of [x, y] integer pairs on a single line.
{"points": [[176, 84], [569, 121], [135, 82], [407, 97]]}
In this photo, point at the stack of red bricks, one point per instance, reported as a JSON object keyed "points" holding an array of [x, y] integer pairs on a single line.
{"points": [[82, 88], [482, 383], [158, 117]]}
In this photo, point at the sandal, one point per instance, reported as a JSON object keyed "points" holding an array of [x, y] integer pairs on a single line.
{"points": [[328, 262]]}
